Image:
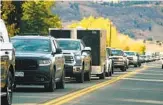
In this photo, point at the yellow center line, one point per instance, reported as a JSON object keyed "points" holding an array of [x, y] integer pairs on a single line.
{"points": [[66, 98]]}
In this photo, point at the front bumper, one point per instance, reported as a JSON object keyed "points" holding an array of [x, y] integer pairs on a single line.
{"points": [[118, 64], [40, 76], [132, 62], [3, 94], [71, 70]]}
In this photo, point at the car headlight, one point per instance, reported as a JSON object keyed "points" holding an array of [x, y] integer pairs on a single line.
{"points": [[135, 58], [78, 57], [44, 62]]}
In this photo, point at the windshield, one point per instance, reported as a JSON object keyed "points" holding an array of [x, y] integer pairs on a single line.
{"points": [[130, 53], [117, 53], [69, 44], [32, 45]]}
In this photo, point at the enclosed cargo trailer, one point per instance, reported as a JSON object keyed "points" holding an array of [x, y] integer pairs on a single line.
{"points": [[96, 39], [62, 33]]}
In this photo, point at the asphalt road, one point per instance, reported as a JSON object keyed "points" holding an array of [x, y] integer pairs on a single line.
{"points": [[141, 89], [144, 88]]}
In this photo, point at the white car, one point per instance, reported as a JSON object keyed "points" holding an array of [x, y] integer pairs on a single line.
{"points": [[109, 62]]}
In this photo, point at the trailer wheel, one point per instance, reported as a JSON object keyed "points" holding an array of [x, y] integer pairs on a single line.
{"points": [[102, 76]]}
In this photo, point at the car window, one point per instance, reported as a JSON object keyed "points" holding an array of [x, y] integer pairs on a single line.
{"points": [[69, 44], [130, 53], [117, 53], [31, 45]]}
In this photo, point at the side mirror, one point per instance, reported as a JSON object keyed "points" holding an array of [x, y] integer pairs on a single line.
{"points": [[110, 57], [58, 51], [87, 49]]}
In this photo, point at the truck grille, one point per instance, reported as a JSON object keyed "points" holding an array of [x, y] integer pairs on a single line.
{"points": [[69, 59], [115, 59], [130, 58], [26, 64]]}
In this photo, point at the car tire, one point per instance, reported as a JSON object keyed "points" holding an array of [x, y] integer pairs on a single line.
{"points": [[80, 77], [14, 87], [127, 67], [162, 66], [50, 87], [61, 83], [87, 76], [139, 64], [108, 74], [123, 69], [135, 65], [113, 69], [7, 99], [102, 76]]}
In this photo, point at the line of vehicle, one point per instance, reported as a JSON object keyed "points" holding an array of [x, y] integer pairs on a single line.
{"points": [[66, 98]]}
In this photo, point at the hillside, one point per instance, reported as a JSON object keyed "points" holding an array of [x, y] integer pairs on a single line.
{"points": [[140, 20]]}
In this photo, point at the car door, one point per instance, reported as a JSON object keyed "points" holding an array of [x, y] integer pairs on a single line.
{"points": [[59, 61]]}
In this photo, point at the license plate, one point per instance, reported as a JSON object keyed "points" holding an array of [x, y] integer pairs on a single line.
{"points": [[19, 74]]}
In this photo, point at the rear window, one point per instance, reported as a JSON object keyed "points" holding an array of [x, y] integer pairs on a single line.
{"points": [[117, 53]]}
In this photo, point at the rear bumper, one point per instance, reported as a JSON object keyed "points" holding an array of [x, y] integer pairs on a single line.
{"points": [[132, 62], [71, 70]]}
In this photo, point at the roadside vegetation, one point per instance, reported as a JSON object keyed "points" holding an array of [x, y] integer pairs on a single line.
{"points": [[29, 17], [118, 40]]}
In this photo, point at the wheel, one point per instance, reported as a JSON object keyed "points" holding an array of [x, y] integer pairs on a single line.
{"points": [[123, 69], [113, 69], [7, 100], [139, 64], [127, 67], [14, 87], [61, 83], [50, 87], [80, 77], [135, 65], [87, 76], [109, 73], [162, 66], [102, 76]]}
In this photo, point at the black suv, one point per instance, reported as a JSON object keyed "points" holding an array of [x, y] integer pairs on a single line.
{"points": [[39, 61], [7, 64]]}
